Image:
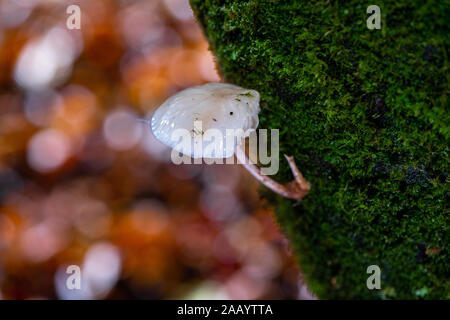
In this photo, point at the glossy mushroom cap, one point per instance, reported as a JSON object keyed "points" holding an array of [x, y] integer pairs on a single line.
{"points": [[198, 109]]}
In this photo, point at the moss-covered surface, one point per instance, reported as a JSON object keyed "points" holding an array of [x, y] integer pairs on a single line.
{"points": [[365, 113]]}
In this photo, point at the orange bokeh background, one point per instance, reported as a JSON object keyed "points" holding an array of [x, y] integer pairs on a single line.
{"points": [[83, 182]]}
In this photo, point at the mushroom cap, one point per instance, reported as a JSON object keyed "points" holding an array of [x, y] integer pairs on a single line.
{"points": [[219, 106]]}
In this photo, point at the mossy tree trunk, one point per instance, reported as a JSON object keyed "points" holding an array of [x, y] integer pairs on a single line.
{"points": [[365, 114]]}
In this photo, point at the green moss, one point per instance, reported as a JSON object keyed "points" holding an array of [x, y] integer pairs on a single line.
{"points": [[365, 114]]}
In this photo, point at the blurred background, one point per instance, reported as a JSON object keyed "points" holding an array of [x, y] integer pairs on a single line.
{"points": [[83, 182]]}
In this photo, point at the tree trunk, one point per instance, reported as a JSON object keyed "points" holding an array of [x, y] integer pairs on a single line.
{"points": [[364, 113]]}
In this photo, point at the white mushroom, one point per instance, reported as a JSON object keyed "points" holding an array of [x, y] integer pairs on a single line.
{"points": [[219, 107]]}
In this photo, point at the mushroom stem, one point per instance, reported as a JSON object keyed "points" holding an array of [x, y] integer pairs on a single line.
{"points": [[296, 189]]}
